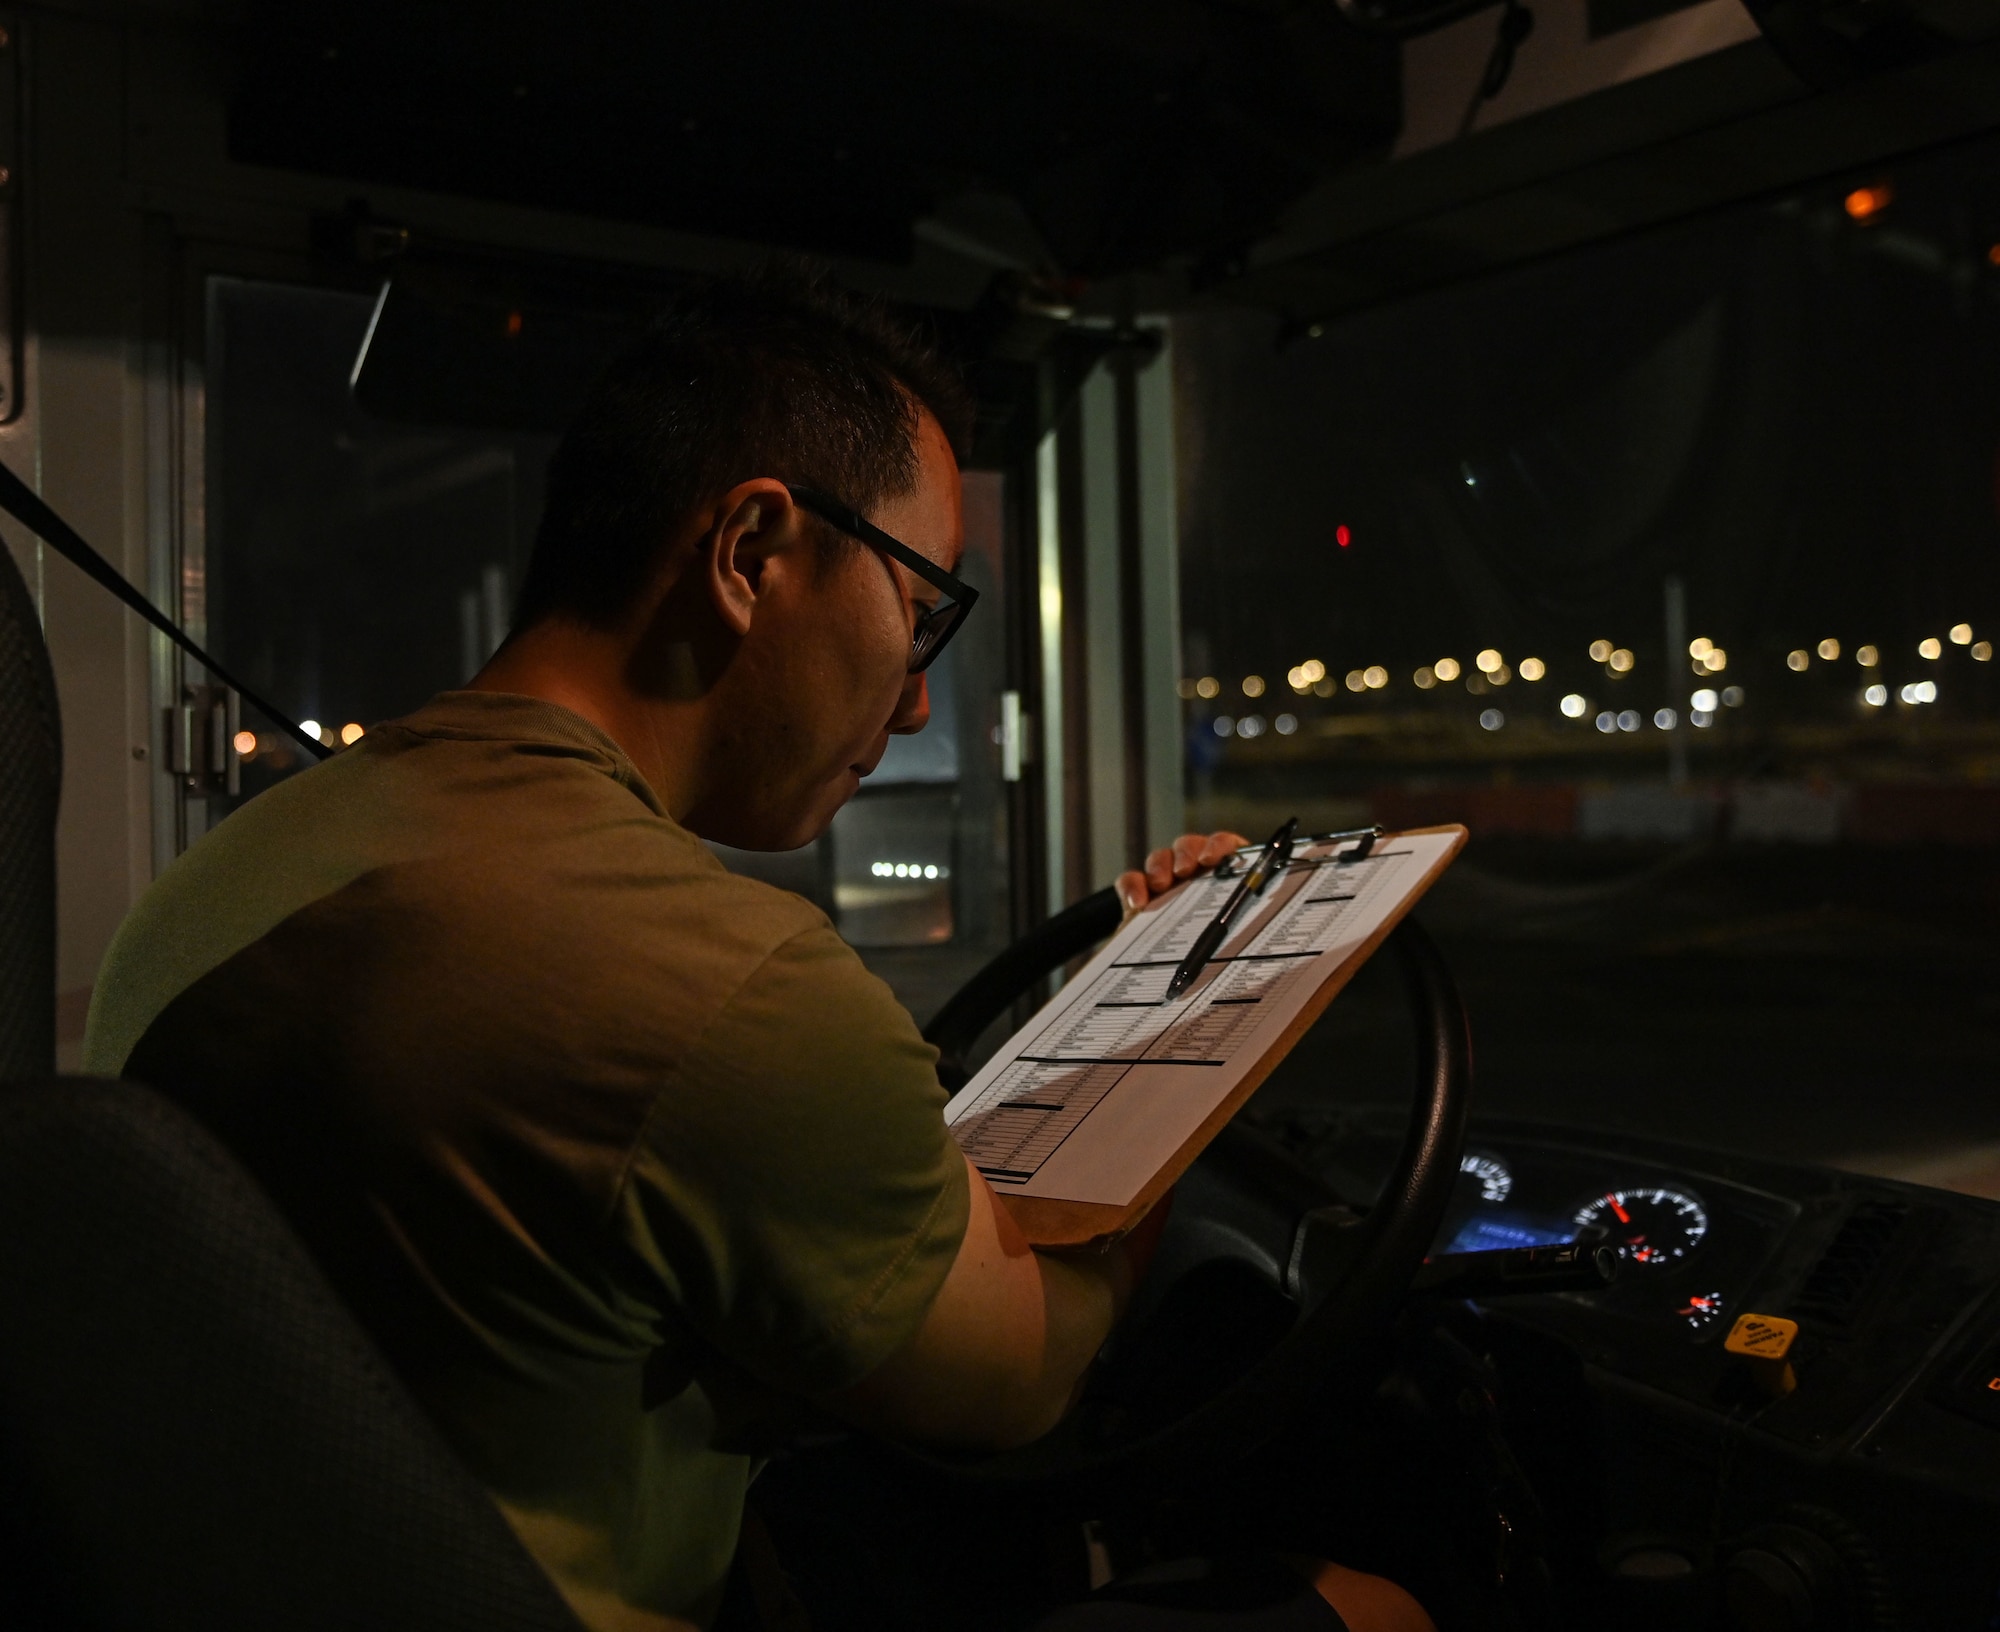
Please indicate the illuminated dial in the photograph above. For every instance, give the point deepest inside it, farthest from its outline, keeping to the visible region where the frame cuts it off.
(1701, 1310)
(1489, 1173)
(1649, 1227)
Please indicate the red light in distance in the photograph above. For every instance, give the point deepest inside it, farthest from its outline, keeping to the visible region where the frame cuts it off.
(1342, 536)
(1865, 203)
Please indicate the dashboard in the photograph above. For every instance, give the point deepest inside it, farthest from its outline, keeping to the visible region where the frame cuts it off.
(1873, 1461)
(1689, 1248)
(1895, 1289)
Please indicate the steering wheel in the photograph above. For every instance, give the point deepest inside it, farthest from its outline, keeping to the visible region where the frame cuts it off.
(1253, 1233)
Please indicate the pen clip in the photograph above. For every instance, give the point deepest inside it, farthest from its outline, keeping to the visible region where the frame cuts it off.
(1360, 851)
(1279, 863)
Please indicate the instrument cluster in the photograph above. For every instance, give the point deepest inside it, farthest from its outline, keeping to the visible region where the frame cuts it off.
(1686, 1250)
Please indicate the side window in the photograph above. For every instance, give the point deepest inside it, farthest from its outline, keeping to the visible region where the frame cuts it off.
(354, 566)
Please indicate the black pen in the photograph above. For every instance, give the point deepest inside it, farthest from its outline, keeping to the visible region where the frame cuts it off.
(1274, 857)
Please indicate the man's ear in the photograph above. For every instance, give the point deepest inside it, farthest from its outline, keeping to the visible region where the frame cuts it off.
(756, 522)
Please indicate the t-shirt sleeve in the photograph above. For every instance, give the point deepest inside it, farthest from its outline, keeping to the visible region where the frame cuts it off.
(795, 1186)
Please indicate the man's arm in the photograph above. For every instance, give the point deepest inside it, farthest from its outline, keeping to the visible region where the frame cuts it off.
(1002, 1352)
(1004, 1348)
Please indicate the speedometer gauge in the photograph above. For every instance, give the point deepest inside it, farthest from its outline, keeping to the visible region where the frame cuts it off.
(1489, 1173)
(1652, 1227)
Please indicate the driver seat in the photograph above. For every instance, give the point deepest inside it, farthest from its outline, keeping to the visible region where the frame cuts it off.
(194, 1432)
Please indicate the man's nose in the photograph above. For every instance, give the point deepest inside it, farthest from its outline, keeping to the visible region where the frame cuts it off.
(913, 708)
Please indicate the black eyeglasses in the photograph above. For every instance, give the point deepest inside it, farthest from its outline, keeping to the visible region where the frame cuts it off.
(935, 625)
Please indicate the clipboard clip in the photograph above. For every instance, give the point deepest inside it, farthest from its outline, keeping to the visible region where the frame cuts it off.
(1365, 838)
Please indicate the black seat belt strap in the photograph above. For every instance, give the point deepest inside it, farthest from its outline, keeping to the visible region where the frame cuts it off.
(26, 506)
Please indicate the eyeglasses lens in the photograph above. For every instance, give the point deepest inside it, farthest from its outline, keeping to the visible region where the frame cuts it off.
(933, 630)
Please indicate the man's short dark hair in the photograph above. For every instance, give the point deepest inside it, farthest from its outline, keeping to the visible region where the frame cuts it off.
(773, 373)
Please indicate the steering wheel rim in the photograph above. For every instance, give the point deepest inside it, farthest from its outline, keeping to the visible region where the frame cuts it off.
(1374, 1263)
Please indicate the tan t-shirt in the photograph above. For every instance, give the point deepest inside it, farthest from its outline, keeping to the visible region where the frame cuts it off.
(595, 1136)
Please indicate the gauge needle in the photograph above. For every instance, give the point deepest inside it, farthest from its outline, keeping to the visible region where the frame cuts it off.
(1623, 1216)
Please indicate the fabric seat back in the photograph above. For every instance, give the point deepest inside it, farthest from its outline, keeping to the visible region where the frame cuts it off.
(194, 1433)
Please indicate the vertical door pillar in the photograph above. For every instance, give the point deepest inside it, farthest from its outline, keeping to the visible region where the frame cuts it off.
(1110, 621)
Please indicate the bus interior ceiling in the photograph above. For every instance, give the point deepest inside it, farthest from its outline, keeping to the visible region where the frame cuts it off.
(1594, 438)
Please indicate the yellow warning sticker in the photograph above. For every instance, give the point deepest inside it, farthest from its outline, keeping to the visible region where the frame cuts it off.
(1767, 1337)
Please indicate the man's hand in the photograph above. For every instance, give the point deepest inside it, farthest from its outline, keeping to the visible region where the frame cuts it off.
(1171, 863)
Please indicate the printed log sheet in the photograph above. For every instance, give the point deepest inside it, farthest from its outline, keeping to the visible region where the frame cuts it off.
(1109, 1081)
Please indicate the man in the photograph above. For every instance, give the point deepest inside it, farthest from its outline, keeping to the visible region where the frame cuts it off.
(604, 1143)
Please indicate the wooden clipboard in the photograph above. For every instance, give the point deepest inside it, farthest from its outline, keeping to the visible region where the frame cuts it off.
(1050, 1222)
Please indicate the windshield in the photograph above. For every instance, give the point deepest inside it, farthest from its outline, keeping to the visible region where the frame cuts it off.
(1673, 570)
